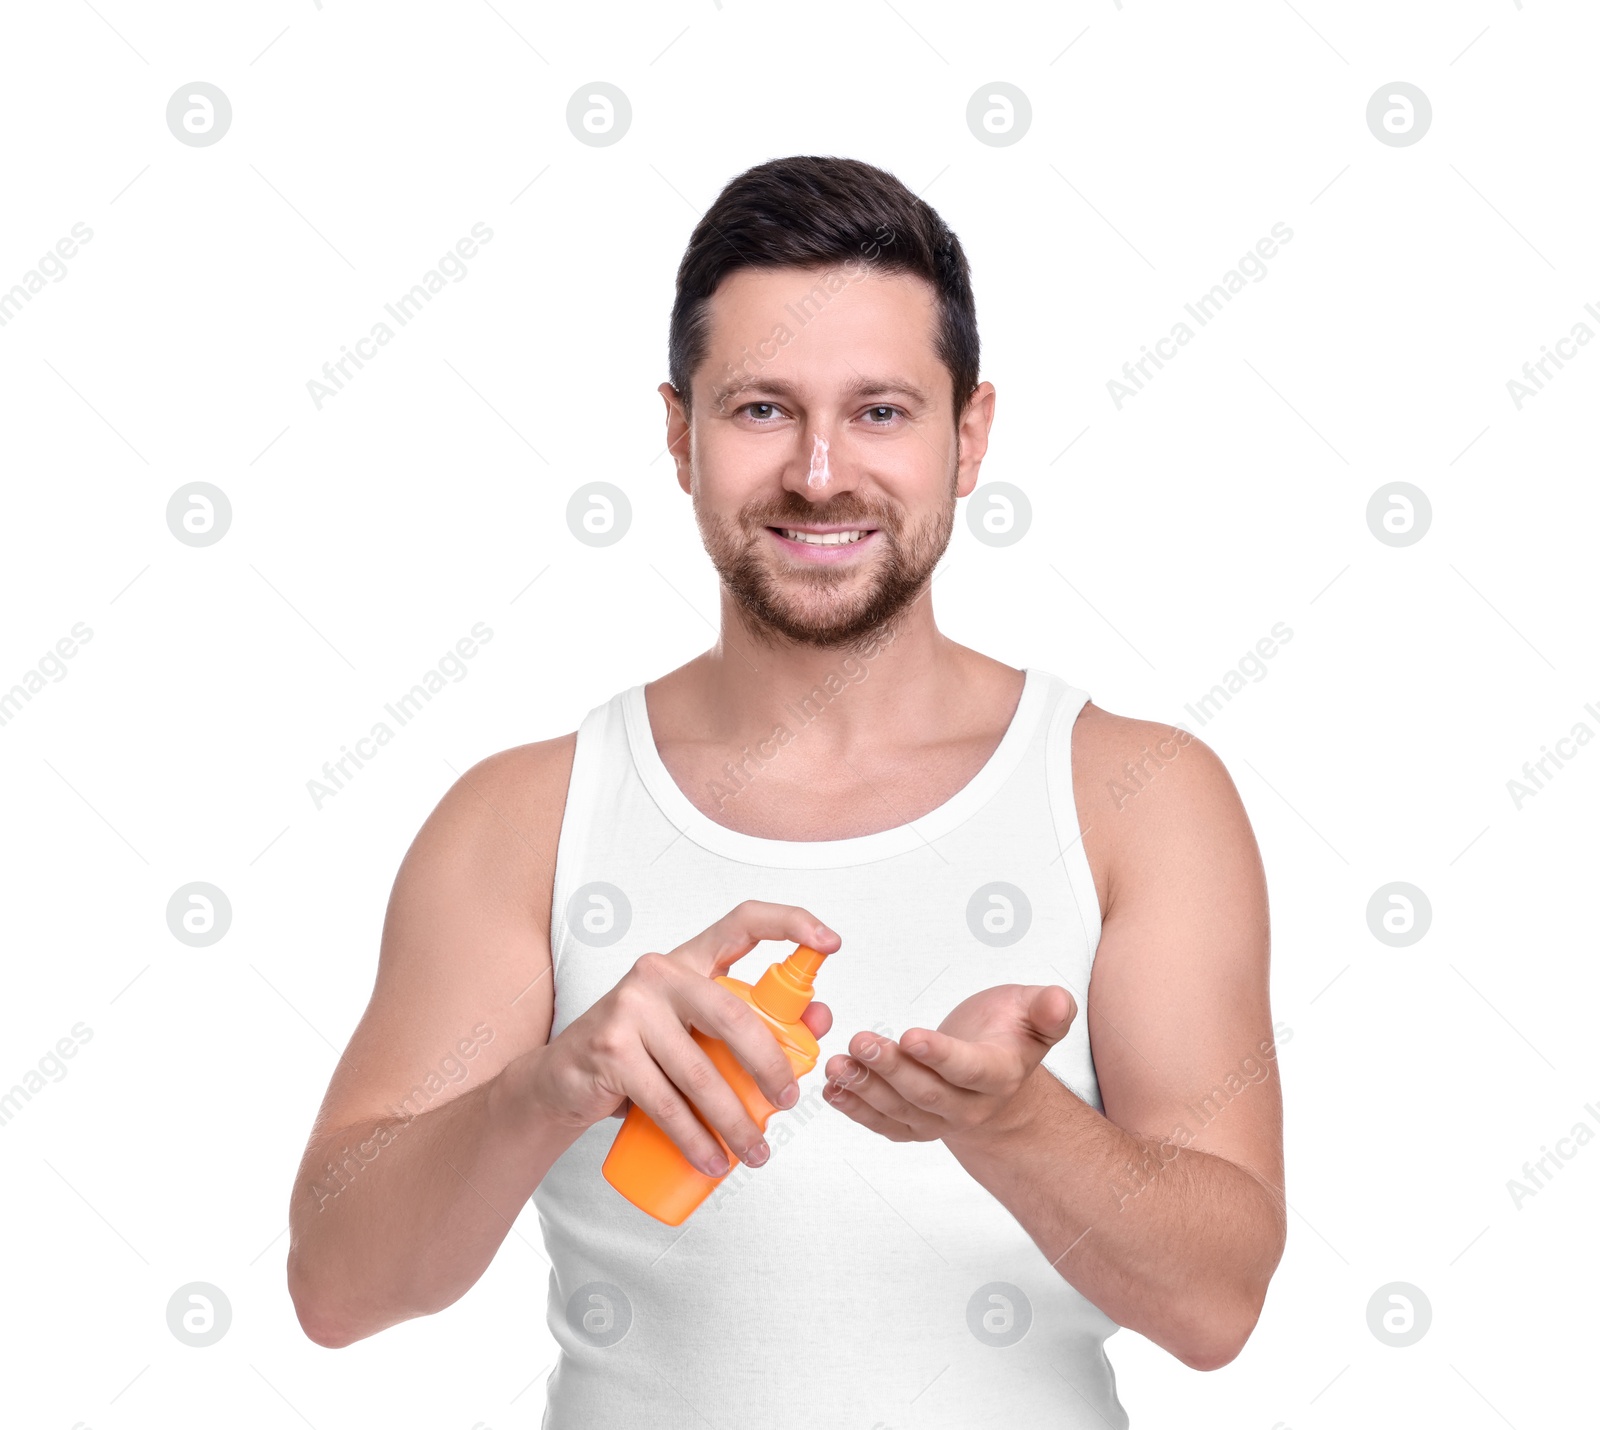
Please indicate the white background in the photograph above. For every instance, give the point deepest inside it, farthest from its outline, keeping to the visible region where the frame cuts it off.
(369, 536)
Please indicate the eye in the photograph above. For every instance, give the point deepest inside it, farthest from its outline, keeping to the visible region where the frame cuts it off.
(767, 406)
(882, 407)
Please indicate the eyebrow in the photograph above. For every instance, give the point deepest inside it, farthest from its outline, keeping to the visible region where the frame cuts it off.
(854, 391)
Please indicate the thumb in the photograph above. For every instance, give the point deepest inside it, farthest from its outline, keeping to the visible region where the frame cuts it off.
(1051, 1010)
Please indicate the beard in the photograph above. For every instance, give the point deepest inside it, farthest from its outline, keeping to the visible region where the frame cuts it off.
(827, 607)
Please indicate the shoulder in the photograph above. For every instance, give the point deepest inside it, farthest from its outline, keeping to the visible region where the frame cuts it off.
(501, 818)
(1145, 791)
(523, 777)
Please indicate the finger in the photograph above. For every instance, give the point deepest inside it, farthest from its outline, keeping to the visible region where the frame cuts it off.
(716, 949)
(869, 1117)
(976, 1067)
(653, 1093)
(818, 1017)
(695, 1079)
(705, 1004)
(1052, 1011)
(883, 1096)
(916, 1084)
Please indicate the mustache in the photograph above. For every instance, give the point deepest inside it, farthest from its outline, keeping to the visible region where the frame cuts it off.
(792, 509)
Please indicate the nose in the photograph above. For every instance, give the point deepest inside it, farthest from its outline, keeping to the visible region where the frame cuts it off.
(815, 471)
(819, 475)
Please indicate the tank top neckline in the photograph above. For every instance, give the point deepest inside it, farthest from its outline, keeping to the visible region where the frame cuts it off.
(752, 849)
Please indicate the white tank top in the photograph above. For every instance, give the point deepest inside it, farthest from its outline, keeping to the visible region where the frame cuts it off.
(850, 1281)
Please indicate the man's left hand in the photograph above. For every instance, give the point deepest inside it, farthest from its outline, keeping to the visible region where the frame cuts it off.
(964, 1079)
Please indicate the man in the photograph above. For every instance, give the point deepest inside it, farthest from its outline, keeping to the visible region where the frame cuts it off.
(1064, 911)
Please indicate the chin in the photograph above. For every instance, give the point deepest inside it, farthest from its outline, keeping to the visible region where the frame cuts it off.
(772, 613)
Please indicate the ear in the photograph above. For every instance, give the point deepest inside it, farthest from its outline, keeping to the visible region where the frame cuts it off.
(972, 434)
(677, 432)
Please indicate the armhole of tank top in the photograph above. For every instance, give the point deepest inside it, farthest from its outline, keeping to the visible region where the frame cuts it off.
(1064, 812)
(576, 817)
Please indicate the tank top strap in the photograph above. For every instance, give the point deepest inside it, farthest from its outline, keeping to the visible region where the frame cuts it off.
(1067, 704)
(600, 756)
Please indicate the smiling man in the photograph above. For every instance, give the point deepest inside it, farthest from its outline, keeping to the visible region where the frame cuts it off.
(1078, 1126)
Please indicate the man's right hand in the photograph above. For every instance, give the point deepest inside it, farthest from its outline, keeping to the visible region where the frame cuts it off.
(633, 1045)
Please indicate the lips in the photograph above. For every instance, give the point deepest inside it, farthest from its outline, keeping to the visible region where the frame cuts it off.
(847, 537)
(810, 545)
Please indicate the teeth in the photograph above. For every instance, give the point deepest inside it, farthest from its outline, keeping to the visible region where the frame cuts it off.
(828, 538)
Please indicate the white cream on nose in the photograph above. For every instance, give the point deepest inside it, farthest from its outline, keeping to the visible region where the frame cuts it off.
(819, 475)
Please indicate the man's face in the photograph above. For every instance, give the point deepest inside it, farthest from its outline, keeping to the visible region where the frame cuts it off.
(821, 410)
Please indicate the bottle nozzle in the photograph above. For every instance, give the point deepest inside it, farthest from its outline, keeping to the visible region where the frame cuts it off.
(785, 989)
(805, 960)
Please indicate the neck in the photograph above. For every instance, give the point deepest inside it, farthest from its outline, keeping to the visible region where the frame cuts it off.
(892, 679)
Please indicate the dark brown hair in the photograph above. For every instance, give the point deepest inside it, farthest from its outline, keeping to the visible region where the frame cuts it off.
(813, 211)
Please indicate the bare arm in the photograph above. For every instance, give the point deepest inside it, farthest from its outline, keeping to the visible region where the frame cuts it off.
(452, 1100)
(1168, 1210)
(428, 1143)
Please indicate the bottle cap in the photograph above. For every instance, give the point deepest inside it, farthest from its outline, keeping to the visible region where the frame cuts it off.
(784, 990)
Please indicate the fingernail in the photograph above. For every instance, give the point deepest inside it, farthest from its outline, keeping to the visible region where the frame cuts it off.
(870, 1054)
(755, 1155)
(789, 1096)
(716, 1165)
(849, 1072)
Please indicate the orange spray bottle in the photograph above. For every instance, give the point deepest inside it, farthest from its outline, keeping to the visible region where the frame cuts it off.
(645, 1165)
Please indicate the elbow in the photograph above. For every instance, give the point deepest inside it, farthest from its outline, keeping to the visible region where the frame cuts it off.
(1218, 1334)
(334, 1318)
(1222, 1325)
(317, 1321)
(1210, 1356)
(314, 1309)
(1213, 1346)
(324, 1333)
